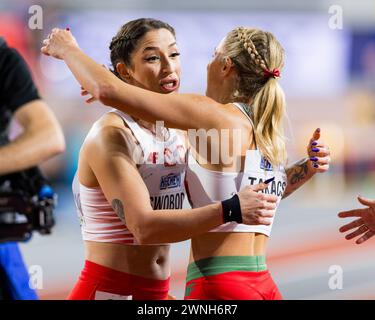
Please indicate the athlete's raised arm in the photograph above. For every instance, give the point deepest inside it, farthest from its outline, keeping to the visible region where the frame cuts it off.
(183, 111)
(123, 187)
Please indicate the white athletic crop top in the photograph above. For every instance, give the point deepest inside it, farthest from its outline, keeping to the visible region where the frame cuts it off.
(163, 171)
(205, 186)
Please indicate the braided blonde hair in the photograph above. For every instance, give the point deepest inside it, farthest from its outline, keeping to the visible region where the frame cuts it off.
(256, 54)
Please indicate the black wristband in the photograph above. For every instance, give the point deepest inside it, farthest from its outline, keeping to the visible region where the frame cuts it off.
(232, 210)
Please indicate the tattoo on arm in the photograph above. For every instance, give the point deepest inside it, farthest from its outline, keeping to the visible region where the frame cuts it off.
(119, 209)
(297, 172)
(297, 175)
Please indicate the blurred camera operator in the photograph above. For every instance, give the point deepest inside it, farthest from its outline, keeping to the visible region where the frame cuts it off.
(41, 139)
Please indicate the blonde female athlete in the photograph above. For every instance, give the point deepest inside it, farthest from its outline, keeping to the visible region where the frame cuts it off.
(242, 93)
(125, 167)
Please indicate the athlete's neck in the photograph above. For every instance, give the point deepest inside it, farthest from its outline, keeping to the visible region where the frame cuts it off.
(226, 95)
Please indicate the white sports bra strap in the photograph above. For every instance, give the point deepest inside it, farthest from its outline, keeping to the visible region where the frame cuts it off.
(138, 132)
(241, 106)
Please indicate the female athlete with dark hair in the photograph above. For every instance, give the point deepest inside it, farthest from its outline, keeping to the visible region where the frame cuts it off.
(244, 107)
(129, 187)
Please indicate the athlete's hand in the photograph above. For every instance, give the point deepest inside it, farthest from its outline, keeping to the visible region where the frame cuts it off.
(85, 93)
(170, 297)
(256, 207)
(58, 43)
(319, 154)
(365, 223)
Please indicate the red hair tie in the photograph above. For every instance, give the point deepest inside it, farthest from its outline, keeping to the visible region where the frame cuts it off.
(275, 73)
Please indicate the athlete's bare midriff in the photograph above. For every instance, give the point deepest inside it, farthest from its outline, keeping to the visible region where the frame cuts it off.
(214, 244)
(146, 261)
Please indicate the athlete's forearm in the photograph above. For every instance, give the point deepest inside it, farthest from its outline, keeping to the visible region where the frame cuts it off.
(87, 72)
(298, 174)
(176, 110)
(166, 226)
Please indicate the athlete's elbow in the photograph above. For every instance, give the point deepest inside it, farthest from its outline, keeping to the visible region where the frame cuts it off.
(104, 91)
(146, 236)
(138, 234)
(156, 236)
(143, 239)
(148, 239)
(139, 229)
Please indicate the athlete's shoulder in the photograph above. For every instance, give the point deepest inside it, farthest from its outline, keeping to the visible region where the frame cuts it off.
(234, 117)
(109, 133)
